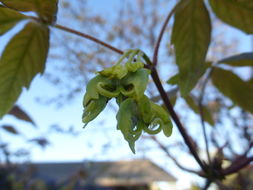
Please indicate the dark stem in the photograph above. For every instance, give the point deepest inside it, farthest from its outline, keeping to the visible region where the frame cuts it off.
(207, 184)
(187, 139)
(202, 117)
(237, 165)
(159, 39)
(91, 38)
(81, 34)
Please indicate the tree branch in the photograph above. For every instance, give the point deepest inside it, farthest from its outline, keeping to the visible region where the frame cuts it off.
(86, 36)
(187, 139)
(164, 148)
(238, 164)
(201, 113)
(157, 45)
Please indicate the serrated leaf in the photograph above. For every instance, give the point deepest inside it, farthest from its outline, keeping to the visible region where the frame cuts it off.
(10, 129)
(19, 113)
(240, 60)
(8, 19)
(23, 57)
(46, 9)
(237, 13)
(191, 37)
(191, 102)
(232, 86)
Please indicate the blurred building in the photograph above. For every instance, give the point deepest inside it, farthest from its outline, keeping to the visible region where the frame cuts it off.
(120, 175)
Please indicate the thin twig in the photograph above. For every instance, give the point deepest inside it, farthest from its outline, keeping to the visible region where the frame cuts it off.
(186, 137)
(159, 39)
(164, 148)
(81, 34)
(202, 117)
(91, 38)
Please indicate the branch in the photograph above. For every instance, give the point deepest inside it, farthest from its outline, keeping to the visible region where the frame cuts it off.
(238, 164)
(157, 45)
(187, 139)
(86, 36)
(164, 148)
(83, 35)
(201, 112)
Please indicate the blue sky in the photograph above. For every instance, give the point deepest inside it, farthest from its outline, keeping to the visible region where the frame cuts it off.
(88, 144)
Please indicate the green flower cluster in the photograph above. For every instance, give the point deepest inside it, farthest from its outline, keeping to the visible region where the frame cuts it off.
(127, 83)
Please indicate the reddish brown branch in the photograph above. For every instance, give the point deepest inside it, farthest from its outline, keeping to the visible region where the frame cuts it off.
(187, 139)
(237, 165)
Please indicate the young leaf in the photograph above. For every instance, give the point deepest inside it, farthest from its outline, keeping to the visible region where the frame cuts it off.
(163, 115)
(232, 86)
(237, 13)
(10, 129)
(23, 57)
(8, 19)
(194, 106)
(243, 59)
(127, 121)
(46, 9)
(134, 84)
(21, 114)
(191, 37)
(92, 90)
(93, 109)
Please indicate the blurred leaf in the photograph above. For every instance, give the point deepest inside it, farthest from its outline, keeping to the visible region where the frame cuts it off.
(243, 59)
(10, 129)
(23, 57)
(46, 9)
(21, 114)
(41, 141)
(8, 19)
(237, 13)
(193, 104)
(191, 37)
(172, 93)
(232, 86)
(174, 80)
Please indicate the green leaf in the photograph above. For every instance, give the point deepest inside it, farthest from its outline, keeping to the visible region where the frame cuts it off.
(232, 86)
(144, 108)
(46, 9)
(93, 88)
(10, 129)
(163, 115)
(240, 60)
(23, 57)
(134, 84)
(174, 80)
(191, 37)
(237, 13)
(8, 19)
(21, 114)
(93, 109)
(127, 120)
(192, 103)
